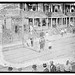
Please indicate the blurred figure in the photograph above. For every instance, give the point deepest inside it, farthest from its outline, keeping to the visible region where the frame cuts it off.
(58, 67)
(68, 67)
(31, 29)
(62, 68)
(65, 30)
(10, 69)
(46, 35)
(19, 69)
(34, 67)
(45, 68)
(42, 43)
(52, 67)
(62, 32)
(31, 39)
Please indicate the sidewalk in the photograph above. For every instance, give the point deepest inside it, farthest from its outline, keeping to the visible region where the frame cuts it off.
(12, 44)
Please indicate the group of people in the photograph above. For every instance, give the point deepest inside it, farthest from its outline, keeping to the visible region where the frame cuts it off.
(41, 40)
(54, 68)
(48, 67)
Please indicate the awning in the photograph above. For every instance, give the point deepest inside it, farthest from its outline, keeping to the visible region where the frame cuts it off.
(56, 14)
(35, 14)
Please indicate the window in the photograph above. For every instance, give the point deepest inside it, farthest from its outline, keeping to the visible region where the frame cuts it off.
(72, 8)
(32, 7)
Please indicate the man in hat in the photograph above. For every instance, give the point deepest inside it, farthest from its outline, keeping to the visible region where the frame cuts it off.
(45, 68)
(52, 67)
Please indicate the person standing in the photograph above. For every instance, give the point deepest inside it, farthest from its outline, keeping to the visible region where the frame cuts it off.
(31, 29)
(62, 32)
(31, 39)
(52, 67)
(68, 67)
(42, 43)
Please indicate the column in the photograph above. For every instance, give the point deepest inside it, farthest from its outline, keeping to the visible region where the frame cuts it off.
(47, 23)
(33, 22)
(66, 21)
(70, 7)
(51, 8)
(62, 21)
(41, 23)
(56, 22)
(69, 21)
(26, 7)
(51, 22)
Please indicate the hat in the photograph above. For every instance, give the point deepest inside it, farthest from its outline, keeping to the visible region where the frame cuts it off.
(44, 65)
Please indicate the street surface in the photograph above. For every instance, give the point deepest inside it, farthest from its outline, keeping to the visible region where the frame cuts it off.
(63, 48)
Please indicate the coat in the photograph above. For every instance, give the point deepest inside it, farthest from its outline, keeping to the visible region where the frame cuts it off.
(52, 68)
